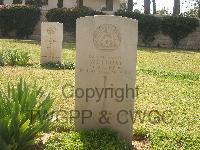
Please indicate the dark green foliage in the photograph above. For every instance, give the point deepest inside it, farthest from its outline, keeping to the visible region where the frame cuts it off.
(16, 57)
(19, 19)
(24, 113)
(17, 1)
(148, 25)
(69, 65)
(101, 139)
(68, 16)
(53, 66)
(178, 27)
(58, 66)
(37, 3)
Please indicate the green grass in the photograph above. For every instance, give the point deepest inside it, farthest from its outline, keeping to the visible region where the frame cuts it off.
(167, 80)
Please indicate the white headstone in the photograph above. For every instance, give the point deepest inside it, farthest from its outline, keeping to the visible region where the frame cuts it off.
(51, 42)
(106, 73)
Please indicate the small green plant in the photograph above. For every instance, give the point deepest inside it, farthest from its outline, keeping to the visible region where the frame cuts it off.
(52, 65)
(101, 139)
(24, 112)
(140, 134)
(16, 57)
(67, 65)
(23, 58)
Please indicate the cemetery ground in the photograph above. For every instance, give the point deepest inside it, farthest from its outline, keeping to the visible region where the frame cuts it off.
(167, 114)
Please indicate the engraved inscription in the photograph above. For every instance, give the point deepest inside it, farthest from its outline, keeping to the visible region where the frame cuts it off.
(51, 41)
(104, 64)
(107, 37)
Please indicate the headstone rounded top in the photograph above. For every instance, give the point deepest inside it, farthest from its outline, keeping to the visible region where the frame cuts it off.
(107, 37)
(106, 16)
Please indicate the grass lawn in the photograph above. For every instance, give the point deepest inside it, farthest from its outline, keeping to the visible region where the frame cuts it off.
(168, 103)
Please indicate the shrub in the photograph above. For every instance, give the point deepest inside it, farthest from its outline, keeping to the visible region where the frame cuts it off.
(57, 66)
(68, 16)
(17, 1)
(178, 27)
(87, 140)
(54, 66)
(20, 19)
(37, 3)
(148, 25)
(16, 57)
(69, 65)
(24, 113)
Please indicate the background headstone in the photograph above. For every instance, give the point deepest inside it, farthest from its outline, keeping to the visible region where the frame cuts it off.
(105, 59)
(51, 42)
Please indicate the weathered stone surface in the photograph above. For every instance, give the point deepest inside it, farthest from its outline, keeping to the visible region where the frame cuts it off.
(52, 4)
(51, 42)
(106, 62)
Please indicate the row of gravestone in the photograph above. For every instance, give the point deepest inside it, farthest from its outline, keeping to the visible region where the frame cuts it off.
(106, 53)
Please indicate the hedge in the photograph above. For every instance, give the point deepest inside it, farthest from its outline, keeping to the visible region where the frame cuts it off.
(17, 1)
(19, 19)
(176, 28)
(68, 16)
(148, 25)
